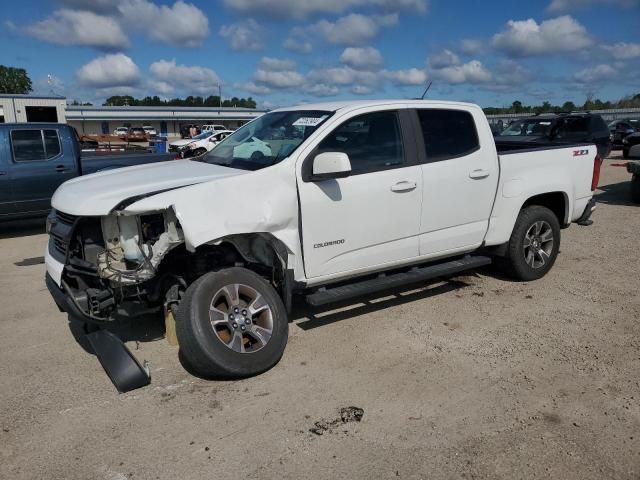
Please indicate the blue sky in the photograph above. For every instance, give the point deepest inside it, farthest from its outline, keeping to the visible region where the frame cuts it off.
(289, 51)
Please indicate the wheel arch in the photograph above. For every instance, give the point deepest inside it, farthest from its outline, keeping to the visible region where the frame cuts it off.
(557, 202)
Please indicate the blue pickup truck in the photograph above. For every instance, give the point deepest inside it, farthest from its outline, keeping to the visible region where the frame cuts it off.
(36, 158)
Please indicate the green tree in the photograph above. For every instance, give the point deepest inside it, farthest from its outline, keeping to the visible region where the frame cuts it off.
(14, 80)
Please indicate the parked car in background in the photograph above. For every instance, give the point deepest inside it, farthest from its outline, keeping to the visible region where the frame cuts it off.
(558, 129)
(198, 145)
(208, 128)
(631, 146)
(149, 130)
(136, 134)
(177, 145)
(355, 205)
(186, 129)
(121, 131)
(621, 128)
(39, 157)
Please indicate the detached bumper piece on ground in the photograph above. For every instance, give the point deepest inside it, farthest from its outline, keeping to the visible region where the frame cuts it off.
(121, 366)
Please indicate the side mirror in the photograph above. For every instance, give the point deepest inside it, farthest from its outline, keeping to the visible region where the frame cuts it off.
(331, 165)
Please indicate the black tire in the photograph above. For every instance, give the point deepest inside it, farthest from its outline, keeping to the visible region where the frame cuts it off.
(516, 257)
(635, 189)
(625, 153)
(204, 350)
(199, 151)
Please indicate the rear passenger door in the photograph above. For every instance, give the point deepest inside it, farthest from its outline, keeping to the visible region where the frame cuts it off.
(38, 167)
(459, 180)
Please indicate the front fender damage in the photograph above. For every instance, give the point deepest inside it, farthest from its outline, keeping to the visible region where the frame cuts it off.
(264, 202)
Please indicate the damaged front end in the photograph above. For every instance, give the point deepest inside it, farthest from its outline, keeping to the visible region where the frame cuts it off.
(111, 263)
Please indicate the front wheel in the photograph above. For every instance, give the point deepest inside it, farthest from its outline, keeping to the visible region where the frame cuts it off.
(231, 324)
(534, 244)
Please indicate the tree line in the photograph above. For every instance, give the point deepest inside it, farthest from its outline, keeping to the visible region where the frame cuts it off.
(190, 101)
(630, 101)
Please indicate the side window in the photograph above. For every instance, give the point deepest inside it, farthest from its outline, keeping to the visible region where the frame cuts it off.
(448, 133)
(372, 141)
(573, 127)
(27, 145)
(51, 143)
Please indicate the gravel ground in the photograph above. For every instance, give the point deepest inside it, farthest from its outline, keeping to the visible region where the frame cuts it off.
(477, 377)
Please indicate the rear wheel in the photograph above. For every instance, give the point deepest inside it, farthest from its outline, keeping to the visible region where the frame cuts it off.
(231, 324)
(534, 244)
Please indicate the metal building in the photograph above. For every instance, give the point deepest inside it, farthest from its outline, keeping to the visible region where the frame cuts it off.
(32, 108)
(93, 120)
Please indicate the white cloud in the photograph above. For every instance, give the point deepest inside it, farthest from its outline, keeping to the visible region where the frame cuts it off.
(353, 29)
(557, 6)
(298, 45)
(278, 79)
(363, 58)
(190, 79)
(276, 64)
(322, 90)
(446, 58)
(524, 38)
(623, 50)
(344, 76)
(253, 88)
(307, 8)
(80, 28)
(360, 90)
(182, 24)
(470, 72)
(471, 46)
(410, 76)
(244, 35)
(160, 87)
(108, 71)
(599, 73)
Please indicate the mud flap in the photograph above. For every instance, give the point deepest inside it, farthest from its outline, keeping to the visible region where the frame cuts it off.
(118, 362)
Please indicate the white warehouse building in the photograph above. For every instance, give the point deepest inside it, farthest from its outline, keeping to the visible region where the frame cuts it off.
(91, 120)
(95, 120)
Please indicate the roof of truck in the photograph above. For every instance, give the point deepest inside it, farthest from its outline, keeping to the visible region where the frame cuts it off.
(353, 104)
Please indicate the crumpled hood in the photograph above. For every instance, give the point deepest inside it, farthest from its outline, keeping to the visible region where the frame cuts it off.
(99, 193)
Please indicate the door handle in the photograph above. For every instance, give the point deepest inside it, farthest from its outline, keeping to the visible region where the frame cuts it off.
(479, 173)
(404, 186)
(60, 169)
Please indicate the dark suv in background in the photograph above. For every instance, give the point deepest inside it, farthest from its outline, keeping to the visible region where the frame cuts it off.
(622, 128)
(558, 129)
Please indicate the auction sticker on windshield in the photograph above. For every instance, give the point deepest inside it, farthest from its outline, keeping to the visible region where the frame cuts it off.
(309, 121)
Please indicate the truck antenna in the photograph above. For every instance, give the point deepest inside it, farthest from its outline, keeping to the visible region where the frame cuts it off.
(426, 90)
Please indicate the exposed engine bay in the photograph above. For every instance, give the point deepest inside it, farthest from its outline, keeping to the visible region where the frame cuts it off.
(124, 265)
(135, 246)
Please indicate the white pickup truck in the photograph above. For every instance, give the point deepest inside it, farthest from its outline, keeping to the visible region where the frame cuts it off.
(350, 198)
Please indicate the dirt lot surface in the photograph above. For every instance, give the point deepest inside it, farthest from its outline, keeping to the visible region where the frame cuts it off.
(477, 377)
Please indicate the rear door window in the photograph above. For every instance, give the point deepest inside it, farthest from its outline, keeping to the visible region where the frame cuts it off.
(51, 143)
(35, 145)
(447, 133)
(27, 145)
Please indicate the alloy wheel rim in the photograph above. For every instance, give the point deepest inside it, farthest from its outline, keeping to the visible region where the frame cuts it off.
(241, 318)
(538, 244)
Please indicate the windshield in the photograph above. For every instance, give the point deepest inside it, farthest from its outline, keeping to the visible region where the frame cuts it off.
(266, 140)
(528, 127)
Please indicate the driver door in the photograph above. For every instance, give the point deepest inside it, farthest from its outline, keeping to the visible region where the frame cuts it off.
(372, 217)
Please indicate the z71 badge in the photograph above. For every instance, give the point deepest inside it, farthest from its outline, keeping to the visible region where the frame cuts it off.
(578, 153)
